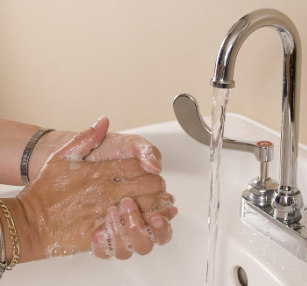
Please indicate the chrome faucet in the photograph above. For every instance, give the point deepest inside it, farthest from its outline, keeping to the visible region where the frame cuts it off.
(280, 204)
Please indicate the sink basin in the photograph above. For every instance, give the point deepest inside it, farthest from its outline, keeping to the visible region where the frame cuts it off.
(183, 261)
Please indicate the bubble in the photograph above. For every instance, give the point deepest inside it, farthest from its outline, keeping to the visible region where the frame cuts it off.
(74, 166)
(106, 241)
(129, 247)
(74, 250)
(73, 157)
(118, 179)
(65, 251)
(56, 251)
(149, 233)
(125, 239)
(96, 175)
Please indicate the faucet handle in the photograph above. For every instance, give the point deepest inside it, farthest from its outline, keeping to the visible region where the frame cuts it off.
(188, 115)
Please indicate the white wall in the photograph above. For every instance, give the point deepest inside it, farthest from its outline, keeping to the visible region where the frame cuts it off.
(63, 63)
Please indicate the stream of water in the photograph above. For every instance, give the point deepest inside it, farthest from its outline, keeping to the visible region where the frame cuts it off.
(220, 100)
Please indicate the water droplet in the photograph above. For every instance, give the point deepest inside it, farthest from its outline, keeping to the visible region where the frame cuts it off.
(56, 251)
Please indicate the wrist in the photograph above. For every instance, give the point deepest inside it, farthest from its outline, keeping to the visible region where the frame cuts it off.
(46, 146)
(28, 239)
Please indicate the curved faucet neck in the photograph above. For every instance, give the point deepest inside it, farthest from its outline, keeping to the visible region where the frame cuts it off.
(224, 71)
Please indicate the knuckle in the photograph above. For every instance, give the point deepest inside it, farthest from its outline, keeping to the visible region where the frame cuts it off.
(168, 197)
(158, 182)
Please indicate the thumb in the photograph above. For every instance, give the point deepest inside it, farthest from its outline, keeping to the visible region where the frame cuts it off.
(83, 143)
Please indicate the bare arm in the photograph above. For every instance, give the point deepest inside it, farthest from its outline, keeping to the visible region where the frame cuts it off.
(14, 136)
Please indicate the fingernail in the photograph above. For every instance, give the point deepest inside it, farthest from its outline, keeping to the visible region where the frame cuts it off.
(127, 205)
(157, 222)
(155, 159)
(99, 122)
(156, 163)
(151, 165)
(158, 160)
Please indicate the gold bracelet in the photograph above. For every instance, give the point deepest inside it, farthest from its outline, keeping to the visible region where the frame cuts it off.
(14, 236)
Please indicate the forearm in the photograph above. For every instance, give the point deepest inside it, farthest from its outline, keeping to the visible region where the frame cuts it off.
(14, 137)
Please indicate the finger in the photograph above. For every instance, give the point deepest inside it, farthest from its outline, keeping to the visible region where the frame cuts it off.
(161, 229)
(113, 189)
(127, 168)
(135, 227)
(83, 143)
(142, 185)
(122, 247)
(148, 155)
(154, 202)
(122, 146)
(100, 244)
(168, 212)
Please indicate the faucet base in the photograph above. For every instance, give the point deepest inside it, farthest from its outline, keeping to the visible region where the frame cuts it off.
(291, 236)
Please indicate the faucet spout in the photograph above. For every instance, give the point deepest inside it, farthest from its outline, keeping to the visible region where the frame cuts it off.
(287, 201)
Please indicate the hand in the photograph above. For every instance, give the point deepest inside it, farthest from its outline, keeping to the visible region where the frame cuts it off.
(65, 208)
(114, 146)
(117, 146)
(125, 231)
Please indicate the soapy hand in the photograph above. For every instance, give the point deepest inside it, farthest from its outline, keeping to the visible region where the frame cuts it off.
(124, 230)
(111, 207)
(117, 146)
(114, 146)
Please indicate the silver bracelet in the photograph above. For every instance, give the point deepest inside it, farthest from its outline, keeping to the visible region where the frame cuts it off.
(3, 262)
(24, 166)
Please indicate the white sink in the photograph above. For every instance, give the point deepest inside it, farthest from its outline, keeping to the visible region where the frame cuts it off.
(183, 261)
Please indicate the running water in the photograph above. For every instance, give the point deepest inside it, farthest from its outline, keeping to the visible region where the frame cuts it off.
(220, 100)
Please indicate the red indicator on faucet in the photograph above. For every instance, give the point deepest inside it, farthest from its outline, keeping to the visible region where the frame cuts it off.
(264, 144)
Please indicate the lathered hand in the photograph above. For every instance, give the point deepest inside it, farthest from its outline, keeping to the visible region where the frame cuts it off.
(125, 231)
(113, 146)
(122, 146)
(72, 201)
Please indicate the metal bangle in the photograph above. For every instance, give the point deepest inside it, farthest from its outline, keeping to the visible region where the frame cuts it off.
(3, 263)
(24, 166)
